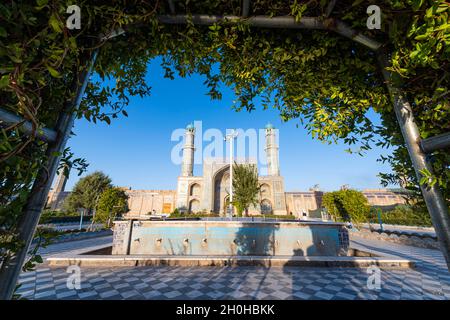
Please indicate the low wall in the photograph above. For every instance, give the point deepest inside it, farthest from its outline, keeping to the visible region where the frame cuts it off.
(235, 238)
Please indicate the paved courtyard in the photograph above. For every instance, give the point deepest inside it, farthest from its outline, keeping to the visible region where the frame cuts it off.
(429, 280)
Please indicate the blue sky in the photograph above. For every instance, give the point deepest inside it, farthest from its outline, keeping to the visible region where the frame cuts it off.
(135, 151)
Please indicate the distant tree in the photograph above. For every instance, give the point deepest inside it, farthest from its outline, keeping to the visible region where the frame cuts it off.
(86, 192)
(112, 202)
(245, 187)
(347, 205)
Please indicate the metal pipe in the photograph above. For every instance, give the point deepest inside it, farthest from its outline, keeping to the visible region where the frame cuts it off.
(441, 141)
(330, 8)
(28, 221)
(285, 22)
(9, 119)
(231, 136)
(434, 200)
(245, 8)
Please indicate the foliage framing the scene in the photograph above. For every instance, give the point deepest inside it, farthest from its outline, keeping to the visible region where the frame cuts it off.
(323, 81)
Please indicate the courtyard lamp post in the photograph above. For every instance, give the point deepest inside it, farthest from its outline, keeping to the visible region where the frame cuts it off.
(231, 136)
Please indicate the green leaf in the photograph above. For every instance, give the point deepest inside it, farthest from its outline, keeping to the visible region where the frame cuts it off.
(53, 72)
(3, 32)
(55, 23)
(442, 7)
(443, 27)
(421, 37)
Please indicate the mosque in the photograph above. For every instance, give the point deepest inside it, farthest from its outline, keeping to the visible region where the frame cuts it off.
(209, 193)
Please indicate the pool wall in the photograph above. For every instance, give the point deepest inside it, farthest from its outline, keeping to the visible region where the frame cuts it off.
(230, 238)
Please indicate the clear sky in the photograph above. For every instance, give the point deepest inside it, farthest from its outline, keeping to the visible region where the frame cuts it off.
(136, 151)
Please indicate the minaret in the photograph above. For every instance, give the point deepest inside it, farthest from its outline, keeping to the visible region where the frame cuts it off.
(187, 168)
(61, 180)
(273, 167)
(58, 190)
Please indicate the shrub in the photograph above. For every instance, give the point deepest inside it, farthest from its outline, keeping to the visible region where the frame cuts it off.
(203, 214)
(50, 215)
(403, 215)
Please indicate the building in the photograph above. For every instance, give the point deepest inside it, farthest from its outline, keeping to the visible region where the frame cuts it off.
(57, 195)
(209, 193)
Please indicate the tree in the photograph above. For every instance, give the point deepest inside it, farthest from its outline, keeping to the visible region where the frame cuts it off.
(112, 202)
(245, 187)
(86, 192)
(402, 215)
(347, 205)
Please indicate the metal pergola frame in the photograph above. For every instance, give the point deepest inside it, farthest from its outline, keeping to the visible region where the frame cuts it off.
(56, 138)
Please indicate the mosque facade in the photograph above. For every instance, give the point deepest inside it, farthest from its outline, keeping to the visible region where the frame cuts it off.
(209, 192)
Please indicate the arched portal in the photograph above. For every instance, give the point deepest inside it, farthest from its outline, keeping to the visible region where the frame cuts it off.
(194, 206)
(194, 190)
(221, 185)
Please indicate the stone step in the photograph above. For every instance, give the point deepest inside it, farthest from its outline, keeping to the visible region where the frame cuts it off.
(265, 261)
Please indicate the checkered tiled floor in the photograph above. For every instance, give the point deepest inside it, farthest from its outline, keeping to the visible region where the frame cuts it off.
(430, 280)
